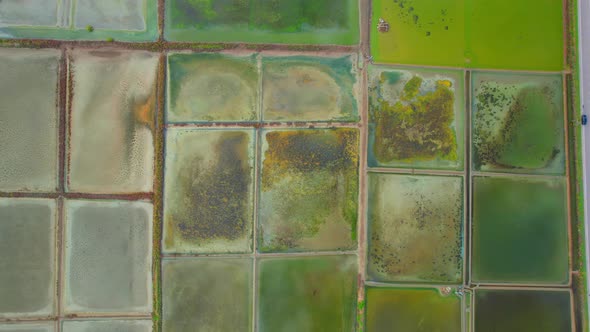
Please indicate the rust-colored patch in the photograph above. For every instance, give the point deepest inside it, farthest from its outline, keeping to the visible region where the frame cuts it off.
(144, 112)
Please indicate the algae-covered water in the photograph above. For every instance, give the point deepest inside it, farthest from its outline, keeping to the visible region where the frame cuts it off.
(209, 190)
(415, 228)
(518, 123)
(416, 118)
(412, 310)
(523, 310)
(307, 293)
(519, 231)
(262, 21)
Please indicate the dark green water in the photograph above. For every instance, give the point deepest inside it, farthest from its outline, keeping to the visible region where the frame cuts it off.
(519, 231)
(522, 311)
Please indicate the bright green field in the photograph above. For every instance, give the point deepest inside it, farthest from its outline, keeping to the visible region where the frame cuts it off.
(419, 32)
(505, 34)
(524, 34)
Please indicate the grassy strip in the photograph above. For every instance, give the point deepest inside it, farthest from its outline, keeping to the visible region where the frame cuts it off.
(576, 168)
(163, 45)
(158, 193)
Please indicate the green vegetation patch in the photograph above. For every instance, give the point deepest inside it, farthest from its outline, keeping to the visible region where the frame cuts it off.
(522, 310)
(503, 34)
(209, 190)
(520, 231)
(207, 294)
(263, 21)
(415, 228)
(309, 190)
(302, 88)
(421, 32)
(206, 87)
(518, 123)
(307, 293)
(412, 310)
(416, 118)
(27, 264)
(525, 34)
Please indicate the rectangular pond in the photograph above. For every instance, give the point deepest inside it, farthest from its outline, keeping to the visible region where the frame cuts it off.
(416, 118)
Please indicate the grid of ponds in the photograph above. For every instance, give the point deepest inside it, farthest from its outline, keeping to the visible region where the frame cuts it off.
(165, 186)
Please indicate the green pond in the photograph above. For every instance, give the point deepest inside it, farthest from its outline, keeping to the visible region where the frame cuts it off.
(263, 21)
(522, 311)
(518, 123)
(207, 294)
(28, 119)
(519, 231)
(212, 87)
(307, 293)
(411, 310)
